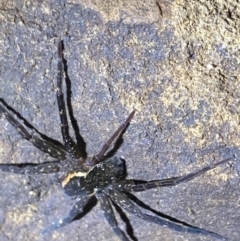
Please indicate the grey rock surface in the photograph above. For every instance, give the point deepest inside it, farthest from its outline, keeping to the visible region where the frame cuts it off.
(176, 62)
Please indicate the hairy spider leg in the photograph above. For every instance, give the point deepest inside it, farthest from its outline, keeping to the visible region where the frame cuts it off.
(96, 159)
(135, 186)
(109, 214)
(75, 210)
(31, 168)
(68, 142)
(43, 145)
(124, 202)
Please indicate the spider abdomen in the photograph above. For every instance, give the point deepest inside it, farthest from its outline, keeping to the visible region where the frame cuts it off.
(74, 183)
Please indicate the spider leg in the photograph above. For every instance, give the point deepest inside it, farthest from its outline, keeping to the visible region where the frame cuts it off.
(96, 159)
(31, 169)
(180, 226)
(75, 210)
(43, 145)
(109, 214)
(135, 186)
(68, 142)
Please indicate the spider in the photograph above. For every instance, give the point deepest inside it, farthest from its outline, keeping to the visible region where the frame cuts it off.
(100, 176)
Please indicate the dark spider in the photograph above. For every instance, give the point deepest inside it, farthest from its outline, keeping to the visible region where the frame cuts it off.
(96, 176)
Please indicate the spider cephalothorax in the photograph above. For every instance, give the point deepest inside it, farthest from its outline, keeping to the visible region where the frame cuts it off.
(100, 176)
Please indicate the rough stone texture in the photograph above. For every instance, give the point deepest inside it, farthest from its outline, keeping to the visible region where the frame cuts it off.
(176, 62)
